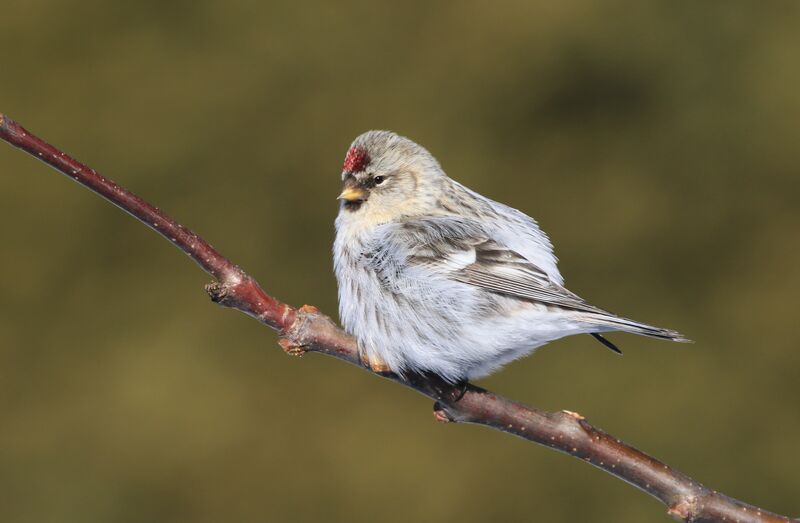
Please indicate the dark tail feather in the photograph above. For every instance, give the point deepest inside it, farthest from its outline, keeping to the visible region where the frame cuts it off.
(607, 343)
(609, 322)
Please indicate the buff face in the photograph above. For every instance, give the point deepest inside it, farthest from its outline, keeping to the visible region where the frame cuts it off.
(380, 184)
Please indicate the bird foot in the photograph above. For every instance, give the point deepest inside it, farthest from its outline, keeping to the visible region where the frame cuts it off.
(461, 388)
(441, 415)
(374, 363)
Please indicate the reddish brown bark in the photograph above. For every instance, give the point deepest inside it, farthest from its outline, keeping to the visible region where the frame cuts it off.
(306, 329)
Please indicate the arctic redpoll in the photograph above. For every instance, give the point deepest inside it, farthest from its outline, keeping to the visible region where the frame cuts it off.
(434, 277)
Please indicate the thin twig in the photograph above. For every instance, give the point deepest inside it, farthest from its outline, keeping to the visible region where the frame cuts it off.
(306, 329)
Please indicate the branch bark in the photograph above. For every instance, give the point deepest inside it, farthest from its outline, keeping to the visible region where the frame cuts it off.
(306, 329)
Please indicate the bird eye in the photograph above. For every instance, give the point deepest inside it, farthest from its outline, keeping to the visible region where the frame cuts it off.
(379, 180)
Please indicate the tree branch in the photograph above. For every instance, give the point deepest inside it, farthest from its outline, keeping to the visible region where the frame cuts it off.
(306, 329)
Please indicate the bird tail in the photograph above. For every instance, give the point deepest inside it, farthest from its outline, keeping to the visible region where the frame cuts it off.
(615, 323)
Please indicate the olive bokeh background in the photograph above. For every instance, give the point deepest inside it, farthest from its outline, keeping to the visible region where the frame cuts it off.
(656, 142)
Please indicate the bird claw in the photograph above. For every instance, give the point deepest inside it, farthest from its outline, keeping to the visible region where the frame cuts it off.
(461, 388)
(440, 414)
(374, 363)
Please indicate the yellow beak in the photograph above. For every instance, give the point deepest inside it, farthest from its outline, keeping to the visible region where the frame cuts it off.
(353, 194)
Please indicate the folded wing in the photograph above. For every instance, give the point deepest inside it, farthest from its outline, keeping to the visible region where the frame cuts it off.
(463, 251)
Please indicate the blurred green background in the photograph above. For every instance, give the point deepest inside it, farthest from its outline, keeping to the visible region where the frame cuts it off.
(656, 142)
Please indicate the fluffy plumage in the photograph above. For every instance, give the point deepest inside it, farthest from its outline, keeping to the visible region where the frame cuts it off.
(434, 277)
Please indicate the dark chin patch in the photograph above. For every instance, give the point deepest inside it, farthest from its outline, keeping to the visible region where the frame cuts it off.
(352, 206)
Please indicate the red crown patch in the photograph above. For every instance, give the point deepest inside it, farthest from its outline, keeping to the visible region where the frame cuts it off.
(356, 160)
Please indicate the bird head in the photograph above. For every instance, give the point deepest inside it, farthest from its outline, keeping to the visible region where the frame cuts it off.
(386, 176)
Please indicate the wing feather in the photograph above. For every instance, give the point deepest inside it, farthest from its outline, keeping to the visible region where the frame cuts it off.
(463, 251)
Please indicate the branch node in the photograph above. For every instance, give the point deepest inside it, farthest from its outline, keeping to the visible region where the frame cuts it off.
(309, 309)
(299, 337)
(217, 291)
(573, 415)
(684, 510)
(291, 348)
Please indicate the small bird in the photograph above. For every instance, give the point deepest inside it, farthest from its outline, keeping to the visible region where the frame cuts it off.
(435, 278)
